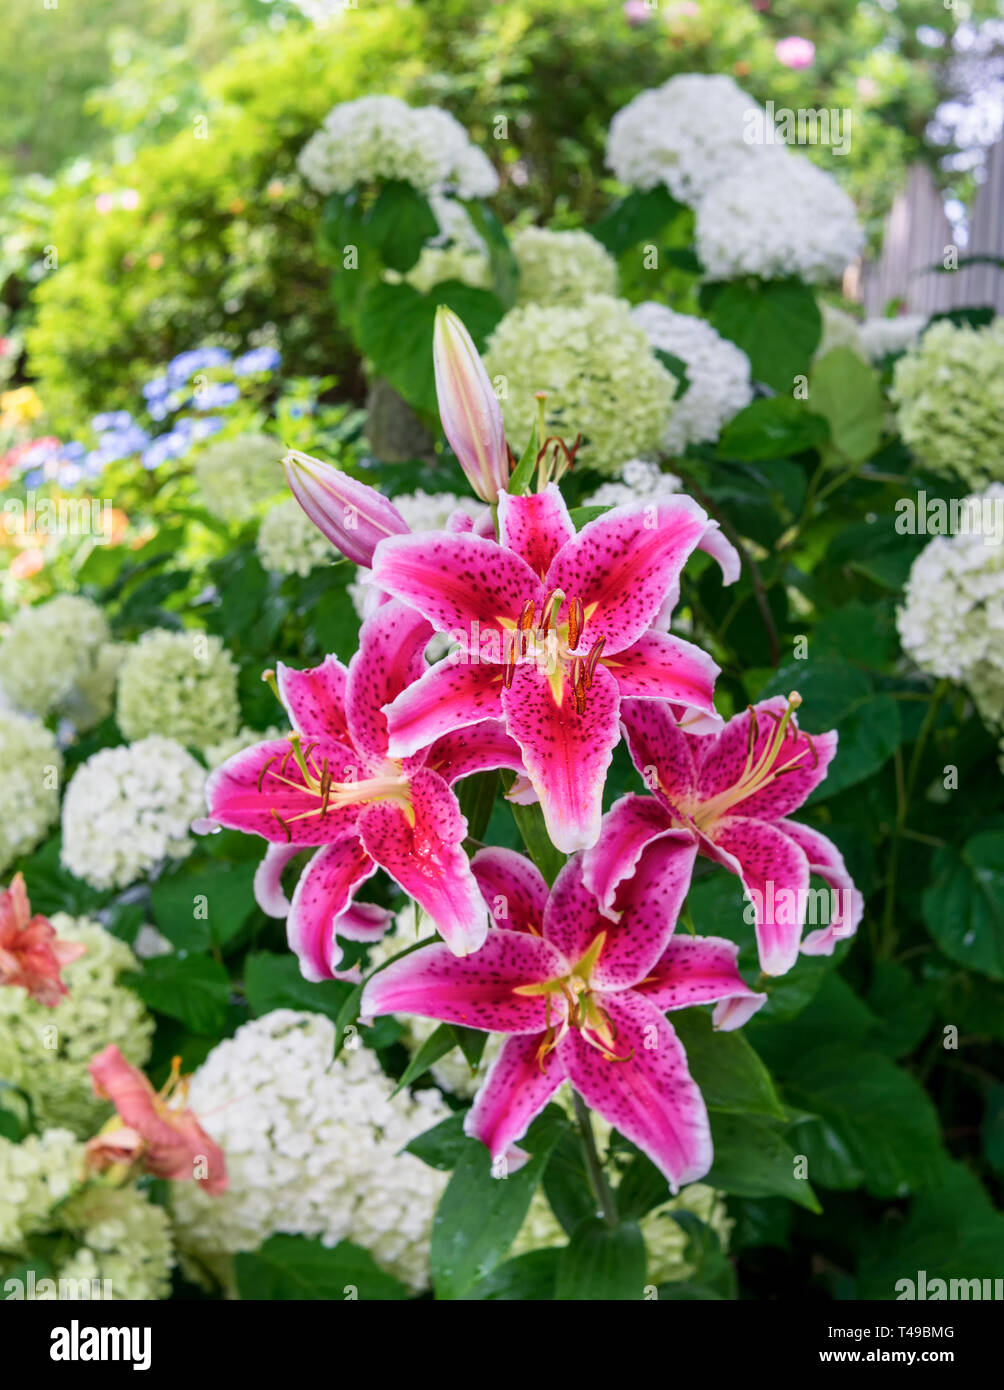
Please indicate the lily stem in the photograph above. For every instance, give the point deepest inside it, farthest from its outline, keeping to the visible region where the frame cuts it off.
(597, 1178)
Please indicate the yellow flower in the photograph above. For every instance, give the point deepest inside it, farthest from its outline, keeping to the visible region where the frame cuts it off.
(20, 406)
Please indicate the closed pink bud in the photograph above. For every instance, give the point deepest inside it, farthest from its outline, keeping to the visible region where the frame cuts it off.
(468, 408)
(353, 516)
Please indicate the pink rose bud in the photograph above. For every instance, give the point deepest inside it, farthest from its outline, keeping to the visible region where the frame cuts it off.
(353, 516)
(468, 408)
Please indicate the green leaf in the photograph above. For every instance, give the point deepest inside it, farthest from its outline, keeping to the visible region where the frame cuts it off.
(471, 1042)
(504, 266)
(640, 216)
(396, 326)
(205, 907)
(438, 1045)
(772, 427)
(193, 989)
(289, 1268)
(527, 1278)
(566, 1182)
(477, 798)
(964, 905)
(530, 823)
(479, 1215)
(522, 475)
(602, 1263)
(753, 1159)
(776, 323)
(441, 1146)
(641, 1188)
(399, 224)
(846, 391)
(582, 516)
(274, 982)
(729, 1073)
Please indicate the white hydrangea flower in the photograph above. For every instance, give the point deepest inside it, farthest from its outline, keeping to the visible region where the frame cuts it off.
(718, 374)
(289, 542)
(128, 808)
(30, 768)
(599, 373)
(948, 390)
(882, 337)
(840, 329)
(236, 476)
(312, 1145)
(639, 481)
(179, 684)
(90, 1230)
(561, 267)
(57, 658)
(952, 619)
(665, 1240)
(382, 137)
(786, 217)
(689, 135)
(45, 1052)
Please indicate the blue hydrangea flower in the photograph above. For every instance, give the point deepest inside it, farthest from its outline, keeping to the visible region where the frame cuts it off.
(257, 361)
(111, 420)
(183, 367)
(156, 389)
(215, 395)
(166, 446)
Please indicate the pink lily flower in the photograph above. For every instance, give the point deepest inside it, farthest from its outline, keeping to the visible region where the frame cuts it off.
(332, 783)
(153, 1126)
(732, 793)
(556, 629)
(583, 1000)
(469, 408)
(31, 954)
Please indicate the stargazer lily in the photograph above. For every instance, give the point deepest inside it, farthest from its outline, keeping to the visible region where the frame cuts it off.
(31, 954)
(332, 783)
(555, 629)
(732, 792)
(468, 407)
(583, 1000)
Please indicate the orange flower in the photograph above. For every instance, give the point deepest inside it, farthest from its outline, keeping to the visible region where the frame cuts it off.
(31, 954)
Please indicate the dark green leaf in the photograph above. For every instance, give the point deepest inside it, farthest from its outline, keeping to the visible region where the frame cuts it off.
(772, 427)
(289, 1268)
(776, 323)
(964, 905)
(602, 1263)
(193, 989)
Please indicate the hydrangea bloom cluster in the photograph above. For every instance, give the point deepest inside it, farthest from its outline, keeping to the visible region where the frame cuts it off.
(952, 618)
(785, 218)
(686, 134)
(883, 337)
(56, 659)
(599, 373)
(98, 1232)
(561, 267)
(312, 1145)
(235, 476)
(718, 374)
(128, 808)
(638, 481)
(179, 684)
(947, 389)
(46, 1052)
(289, 542)
(30, 768)
(840, 329)
(382, 137)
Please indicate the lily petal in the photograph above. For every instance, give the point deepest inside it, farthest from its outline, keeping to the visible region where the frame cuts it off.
(702, 970)
(566, 754)
(775, 873)
(475, 748)
(477, 991)
(660, 750)
(650, 1097)
(629, 825)
(323, 893)
(423, 854)
(268, 880)
(388, 660)
(315, 699)
(535, 526)
(827, 861)
(519, 1084)
(513, 887)
(661, 667)
(260, 790)
(449, 696)
(622, 564)
(805, 759)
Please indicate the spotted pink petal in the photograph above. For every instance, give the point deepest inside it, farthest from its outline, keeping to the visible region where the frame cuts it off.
(476, 990)
(702, 970)
(535, 526)
(662, 667)
(827, 861)
(647, 906)
(519, 1084)
(363, 922)
(629, 825)
(660, 750)
(315, 699)
(449, 696)
(566, 754)
(622, 564)
(268, 880)
(323, 893)
(722, 761)
(476, 748)
(775, 873)
(456, 581)
(388, 660)
(425, 857)
(246, 793)
(650, 1097)
(513, 887)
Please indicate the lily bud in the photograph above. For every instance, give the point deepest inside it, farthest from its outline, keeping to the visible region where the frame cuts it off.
(472, 419)
(353, 516)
